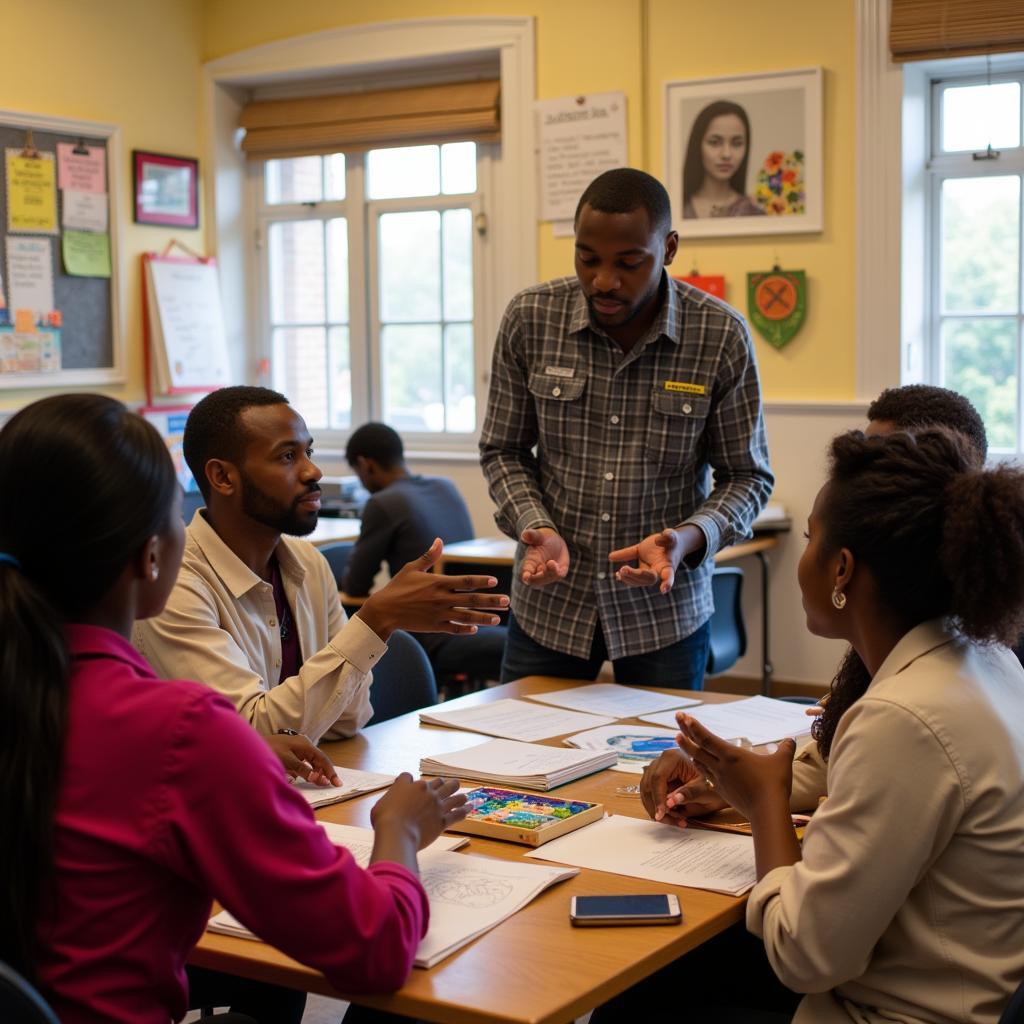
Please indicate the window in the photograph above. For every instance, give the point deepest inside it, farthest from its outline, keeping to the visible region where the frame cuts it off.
(371, 298)
(975, 284)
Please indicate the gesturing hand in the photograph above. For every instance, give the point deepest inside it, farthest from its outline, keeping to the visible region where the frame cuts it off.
(412, 814)
(303, 760)
(546, 559)
(658, 559)
(673, 790)
(427, 602)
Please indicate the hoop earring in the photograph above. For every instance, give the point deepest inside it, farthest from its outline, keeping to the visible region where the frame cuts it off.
(838, 599)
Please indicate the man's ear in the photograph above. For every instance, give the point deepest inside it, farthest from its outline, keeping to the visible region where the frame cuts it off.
(671, 246)
(222, 476)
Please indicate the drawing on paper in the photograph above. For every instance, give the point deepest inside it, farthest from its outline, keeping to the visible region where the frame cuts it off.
(466, 889)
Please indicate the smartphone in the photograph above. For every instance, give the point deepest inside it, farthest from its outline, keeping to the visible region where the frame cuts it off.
(659, 908)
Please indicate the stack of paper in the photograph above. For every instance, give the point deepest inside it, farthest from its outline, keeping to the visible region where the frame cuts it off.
(614, 700)
(353, 783)
(757, 719)
(513, 720)
(635, 746)
(468, 895)
(510, 763)
(659, 853)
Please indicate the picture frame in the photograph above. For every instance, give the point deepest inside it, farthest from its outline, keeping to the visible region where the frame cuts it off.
(743, 154)
(166, 189)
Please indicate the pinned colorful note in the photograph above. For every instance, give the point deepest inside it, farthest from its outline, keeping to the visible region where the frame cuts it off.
(84, 211)
(31, 192)
(713, 284)
(29, 351)
(30, 276)
(82, 168)
(86, 254)
(777, 303)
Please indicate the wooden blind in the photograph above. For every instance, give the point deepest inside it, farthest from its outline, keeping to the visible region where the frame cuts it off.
(930, 29)
(367, 120)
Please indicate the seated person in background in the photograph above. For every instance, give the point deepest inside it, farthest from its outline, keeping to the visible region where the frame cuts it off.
(906, 901)
(255, 614)
(132, 802)
(404, 514)
(910, 408)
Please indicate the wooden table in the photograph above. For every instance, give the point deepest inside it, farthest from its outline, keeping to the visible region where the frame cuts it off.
(534, 968)
(330, 530)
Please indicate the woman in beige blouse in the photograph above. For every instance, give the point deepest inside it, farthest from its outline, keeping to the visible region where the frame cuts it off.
(906, 902)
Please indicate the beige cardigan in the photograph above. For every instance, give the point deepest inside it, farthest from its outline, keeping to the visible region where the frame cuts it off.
(908, 904)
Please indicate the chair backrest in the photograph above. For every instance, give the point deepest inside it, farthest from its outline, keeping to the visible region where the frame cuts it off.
(728, 633)
(403, 680)
(1014, 1012)
(337, 557)
(20, 1003)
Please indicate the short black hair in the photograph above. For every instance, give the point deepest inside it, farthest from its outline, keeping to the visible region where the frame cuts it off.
(376, 441)
(213, 430)
(626, 189)
(916, 406)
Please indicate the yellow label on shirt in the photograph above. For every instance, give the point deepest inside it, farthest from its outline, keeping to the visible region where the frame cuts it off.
(685, 386)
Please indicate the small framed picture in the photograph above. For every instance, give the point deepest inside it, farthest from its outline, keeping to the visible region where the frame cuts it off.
(166, 189)
(743, 154)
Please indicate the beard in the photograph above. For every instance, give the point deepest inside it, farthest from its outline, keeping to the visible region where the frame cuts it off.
(259, 505)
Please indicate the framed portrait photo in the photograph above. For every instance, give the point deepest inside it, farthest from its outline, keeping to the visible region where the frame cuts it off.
(166, 189)
(743, 154)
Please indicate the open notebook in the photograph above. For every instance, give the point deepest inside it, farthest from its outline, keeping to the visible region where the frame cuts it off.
(468, 895)
(353, 783)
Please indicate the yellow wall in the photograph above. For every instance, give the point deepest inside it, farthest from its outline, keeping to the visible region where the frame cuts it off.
(123, 62)
(602, 45)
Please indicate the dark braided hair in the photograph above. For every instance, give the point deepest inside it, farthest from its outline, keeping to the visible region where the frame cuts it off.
(941, 537)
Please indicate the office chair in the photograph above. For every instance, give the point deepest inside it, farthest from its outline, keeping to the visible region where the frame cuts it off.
(337, 557)
(728, 633)
(20, 1003)
(403, 679)
(1014, 1012)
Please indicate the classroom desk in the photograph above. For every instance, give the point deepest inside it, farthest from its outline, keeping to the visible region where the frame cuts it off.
(533, 968)
(330, 530)
(500, 551)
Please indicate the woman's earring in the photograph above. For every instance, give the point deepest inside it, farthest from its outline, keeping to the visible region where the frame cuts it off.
(155, 572)
(838, 599)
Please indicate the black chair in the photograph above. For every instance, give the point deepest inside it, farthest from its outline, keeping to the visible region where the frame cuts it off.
(1014, 1012)
(337, 557)
(728, 633)
(403, 680)
(20, 1003)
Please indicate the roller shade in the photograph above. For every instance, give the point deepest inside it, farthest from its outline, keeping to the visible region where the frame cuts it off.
(368, 120)
(931, 29)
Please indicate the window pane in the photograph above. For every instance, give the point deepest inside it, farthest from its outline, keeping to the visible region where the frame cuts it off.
(298, 180)
(409, 266)
(334, 176)
(404, 172)
(980, 361)
(458, 168)
(975, 115)
(980, 244)
(300, 362)
(458, 264)
(460, 403)
(337, 270)
(297, 272)
(411, 358)
(338, 352)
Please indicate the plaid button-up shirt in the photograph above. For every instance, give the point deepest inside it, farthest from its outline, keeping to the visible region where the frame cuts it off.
(625, 445)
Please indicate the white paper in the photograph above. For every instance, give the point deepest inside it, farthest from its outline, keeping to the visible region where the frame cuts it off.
(513, 720)
(640, 848)
(578, 137)
(635, 745)
(532, 765)
(468, 895)
(613, 700)
(30, 275)
(758, 719)
(353, 783)
(84, 211)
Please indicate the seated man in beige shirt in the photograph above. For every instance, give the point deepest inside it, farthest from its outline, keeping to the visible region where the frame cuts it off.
(255, 612)
(909, 408)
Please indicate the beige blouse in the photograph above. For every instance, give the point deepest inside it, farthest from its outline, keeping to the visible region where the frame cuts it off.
(220, 627)
(908, 904)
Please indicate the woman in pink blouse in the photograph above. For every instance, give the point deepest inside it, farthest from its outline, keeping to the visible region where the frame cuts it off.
(128, 802)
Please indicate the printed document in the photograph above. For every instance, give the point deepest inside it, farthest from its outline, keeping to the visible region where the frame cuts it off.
(513, 720)
(758, 719)
(353, 783)
(612, 699)
(635, 746)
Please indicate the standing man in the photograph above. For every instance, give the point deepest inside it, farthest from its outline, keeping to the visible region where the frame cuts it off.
(614, 395)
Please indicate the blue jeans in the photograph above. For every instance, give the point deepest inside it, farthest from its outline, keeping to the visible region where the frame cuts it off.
(680, 666)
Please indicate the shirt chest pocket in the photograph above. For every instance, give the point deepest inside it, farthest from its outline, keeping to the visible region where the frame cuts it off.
(675, 428)
(560, 414)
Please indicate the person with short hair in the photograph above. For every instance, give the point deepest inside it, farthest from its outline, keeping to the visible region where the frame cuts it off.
(614, 397)
(255, 611)
(131, 802)
(404, 513)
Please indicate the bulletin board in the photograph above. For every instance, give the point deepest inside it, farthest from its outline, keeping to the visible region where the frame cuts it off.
(81, 339)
